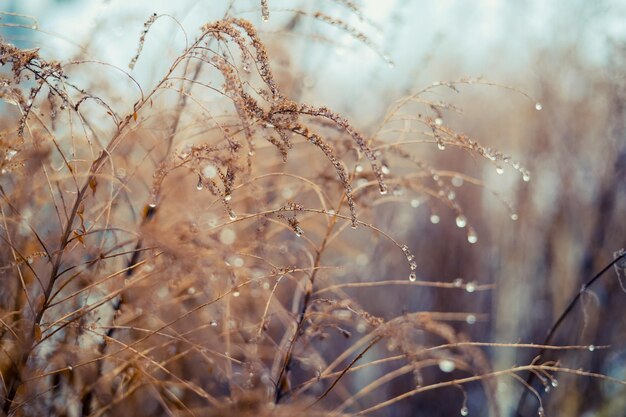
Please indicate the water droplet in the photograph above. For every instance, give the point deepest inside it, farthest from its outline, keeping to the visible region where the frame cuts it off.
(470, 287)
(441, 146)
(236, 293)
(199, 185)
(385, 169)
(410, 257)
(213, 323)
(538, 106)
(191, 290)
(227, 236)
(472, 237)
(470, 319)
(458, 282)
(499, 170)
(540, 412)
(464, 411)
(434, 219)
(383, 191)
(413, 266)
(591, 348)
(526, 176)
(514, 216)
(415, 203)
(232, 215)
(446, 365)
(461, 221)
(554, 383)
(152, 204)
(412, 276)
(70, 368)
(358, 168)
(457, 181)
(546, 389)
(451, 195)
(228, 197)
(439, 121)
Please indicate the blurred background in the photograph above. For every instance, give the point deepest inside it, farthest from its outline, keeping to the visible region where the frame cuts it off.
(568, 57)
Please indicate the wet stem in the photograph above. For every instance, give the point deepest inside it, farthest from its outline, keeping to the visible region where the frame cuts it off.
(305, 304)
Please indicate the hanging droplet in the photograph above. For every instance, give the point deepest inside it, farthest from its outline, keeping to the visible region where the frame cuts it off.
(439, 121)
(413, 266)
(213, 323)
(434, 219)
(554, 383)
(441, 146)
(446, 365)
(412, 276)
(538, 106)
(464, 411)
(228, 197)
(385, 169)
(232, 215)
(540, 412)
(470, 319)
(236, 293)
(199, 185)
(514, 216)
(499, 170)
(591, 348)
(526, 176)
(461, 221)
(358, 168)
(415, 203)
(472, 237)
(451, 195)
(470, 287)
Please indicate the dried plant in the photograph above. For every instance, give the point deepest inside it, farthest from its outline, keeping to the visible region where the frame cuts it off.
(193, 247)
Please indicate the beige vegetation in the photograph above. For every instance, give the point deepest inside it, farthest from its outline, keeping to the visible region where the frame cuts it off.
(214, 243)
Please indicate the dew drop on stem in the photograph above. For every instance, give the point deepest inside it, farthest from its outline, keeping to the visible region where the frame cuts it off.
(461, 221)
(472, 237)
